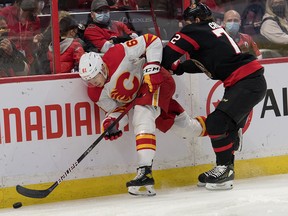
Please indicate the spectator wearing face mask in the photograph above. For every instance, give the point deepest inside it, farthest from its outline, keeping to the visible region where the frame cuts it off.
(232, 23)
(274, 25)
(102, 32)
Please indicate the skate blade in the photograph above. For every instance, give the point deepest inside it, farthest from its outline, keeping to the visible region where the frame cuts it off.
(220, 186)
(201, 184)
(135, 190)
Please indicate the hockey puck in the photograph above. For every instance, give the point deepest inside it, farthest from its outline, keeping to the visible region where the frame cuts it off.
(17, 205)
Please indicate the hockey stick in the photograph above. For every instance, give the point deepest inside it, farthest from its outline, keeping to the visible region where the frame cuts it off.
(33, 193)
(154, 19)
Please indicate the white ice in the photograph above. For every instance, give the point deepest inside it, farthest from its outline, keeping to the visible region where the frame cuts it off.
(250, 197)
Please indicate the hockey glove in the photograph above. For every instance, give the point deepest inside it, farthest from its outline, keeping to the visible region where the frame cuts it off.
(113, 133)
(133, 35)
(152, 76)
(187, 66)
(176, 69)
(117, 40)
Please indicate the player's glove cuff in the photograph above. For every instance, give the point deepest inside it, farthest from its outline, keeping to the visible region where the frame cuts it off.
(152, 76)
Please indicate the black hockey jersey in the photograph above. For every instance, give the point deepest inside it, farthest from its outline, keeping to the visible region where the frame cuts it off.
(212, 50)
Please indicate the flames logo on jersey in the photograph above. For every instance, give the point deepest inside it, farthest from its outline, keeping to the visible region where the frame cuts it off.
(125, 88)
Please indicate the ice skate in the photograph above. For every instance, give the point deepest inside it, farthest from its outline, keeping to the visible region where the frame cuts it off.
(220, 178)
(143, 183)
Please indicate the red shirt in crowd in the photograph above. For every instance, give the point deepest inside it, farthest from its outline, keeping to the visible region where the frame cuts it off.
(21, 33)
(247, 44)
(99, 36)
(70, 53)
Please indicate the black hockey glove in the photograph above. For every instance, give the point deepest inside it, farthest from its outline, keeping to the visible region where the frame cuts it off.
(117, 40)
(176, 68)
(187, 66)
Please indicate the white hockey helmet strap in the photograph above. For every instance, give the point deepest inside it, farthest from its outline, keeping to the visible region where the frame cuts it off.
(90, 65)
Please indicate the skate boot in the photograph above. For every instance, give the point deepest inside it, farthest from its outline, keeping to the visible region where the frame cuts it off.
(144, 179)
(220, 178)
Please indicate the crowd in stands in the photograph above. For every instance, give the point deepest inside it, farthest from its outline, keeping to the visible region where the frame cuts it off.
(256, 26)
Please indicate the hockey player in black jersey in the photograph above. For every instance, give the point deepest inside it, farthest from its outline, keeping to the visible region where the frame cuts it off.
(213, 52)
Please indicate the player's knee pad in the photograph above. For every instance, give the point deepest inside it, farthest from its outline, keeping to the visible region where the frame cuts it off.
(144, 119)
(186, 127)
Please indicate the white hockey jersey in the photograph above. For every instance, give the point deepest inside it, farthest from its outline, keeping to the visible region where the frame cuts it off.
(125, 63)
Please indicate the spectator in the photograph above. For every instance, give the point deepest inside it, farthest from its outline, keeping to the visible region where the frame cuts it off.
(125, 71)
(102, 32)
(252, 17)
(232, 23)
(24, 25)
(275, 25)
(42, 41)
(12, 62)
(11, 13)
(70, 48)
(40, 7)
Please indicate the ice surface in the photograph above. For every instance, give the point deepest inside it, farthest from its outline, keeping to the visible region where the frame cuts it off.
(250, 197)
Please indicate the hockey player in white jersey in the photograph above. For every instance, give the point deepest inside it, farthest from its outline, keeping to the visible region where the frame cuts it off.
(116, 79)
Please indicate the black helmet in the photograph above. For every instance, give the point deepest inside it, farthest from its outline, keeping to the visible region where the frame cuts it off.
(201, 11)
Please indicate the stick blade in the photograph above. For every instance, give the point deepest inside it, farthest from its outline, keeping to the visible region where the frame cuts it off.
(32, 193)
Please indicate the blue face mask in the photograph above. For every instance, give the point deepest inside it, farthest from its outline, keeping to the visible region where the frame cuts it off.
(232, 27)
(103, 18)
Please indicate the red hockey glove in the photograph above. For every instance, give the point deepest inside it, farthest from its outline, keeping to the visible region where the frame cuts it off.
(113, 133)
(152, 76)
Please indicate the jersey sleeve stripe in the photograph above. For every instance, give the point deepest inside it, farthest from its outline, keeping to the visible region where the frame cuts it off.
(176, 48)
(190, 40)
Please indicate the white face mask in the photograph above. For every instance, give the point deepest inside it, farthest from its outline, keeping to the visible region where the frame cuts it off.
(103, 18)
